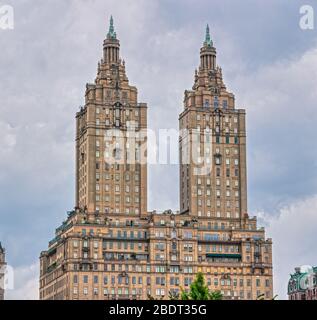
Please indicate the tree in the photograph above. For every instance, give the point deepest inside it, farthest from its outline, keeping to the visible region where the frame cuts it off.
(216, 295)
(150, 297)
(262, 297)
(172, 295)
(199, 291)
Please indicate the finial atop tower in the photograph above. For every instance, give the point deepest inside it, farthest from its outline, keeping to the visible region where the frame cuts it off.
(111, 33)
(208, 42)
(111, 46)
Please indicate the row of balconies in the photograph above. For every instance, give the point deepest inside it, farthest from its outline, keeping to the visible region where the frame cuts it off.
(120, 257)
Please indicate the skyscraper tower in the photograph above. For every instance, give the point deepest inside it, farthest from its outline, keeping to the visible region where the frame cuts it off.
(111, 171)
(213, 180)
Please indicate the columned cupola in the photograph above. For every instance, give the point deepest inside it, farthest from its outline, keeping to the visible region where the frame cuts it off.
(111, 46)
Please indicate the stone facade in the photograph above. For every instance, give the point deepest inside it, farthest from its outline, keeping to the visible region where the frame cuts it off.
(110, 246)
(303, 285)
(111, 106)
(2, 271)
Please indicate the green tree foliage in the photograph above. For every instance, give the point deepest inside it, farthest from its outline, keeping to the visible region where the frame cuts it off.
(262, 297)
(199, 291)
(173, 295)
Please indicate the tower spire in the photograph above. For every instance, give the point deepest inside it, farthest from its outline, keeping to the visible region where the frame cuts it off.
(111, 45)
(208, 42)
(208, 52)
(111, 34)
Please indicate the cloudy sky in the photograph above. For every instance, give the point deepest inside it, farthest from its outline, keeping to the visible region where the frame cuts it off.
(268, 61)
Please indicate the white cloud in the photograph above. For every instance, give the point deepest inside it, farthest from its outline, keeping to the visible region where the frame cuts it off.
(280, 99)
(283, 90)
(294, 239)
(26, 283)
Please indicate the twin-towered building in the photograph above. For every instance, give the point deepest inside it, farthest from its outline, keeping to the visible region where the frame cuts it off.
(110, 246)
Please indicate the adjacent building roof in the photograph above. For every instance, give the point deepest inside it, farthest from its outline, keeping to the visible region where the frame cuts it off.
(300, 279)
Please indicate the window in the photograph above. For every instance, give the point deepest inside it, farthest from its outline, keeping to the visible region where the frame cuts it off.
(160, 269)
(188, 270)
(216, 102)
(188, 235)
(160, 292)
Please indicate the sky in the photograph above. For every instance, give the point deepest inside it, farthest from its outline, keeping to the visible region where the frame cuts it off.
(268, 62)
